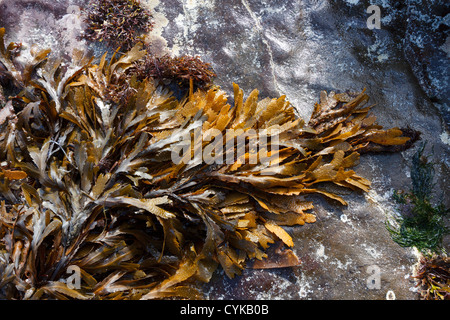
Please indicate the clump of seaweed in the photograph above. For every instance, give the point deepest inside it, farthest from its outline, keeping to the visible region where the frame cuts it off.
(118, 23)
(179, 71)
(433, 276)
(420, 223)
(88, 180)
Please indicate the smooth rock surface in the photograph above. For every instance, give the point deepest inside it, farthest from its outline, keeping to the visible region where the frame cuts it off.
(297, 49)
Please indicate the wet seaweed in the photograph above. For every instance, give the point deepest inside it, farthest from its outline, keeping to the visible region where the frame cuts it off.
(118, 23)
(121, 24)
(179, 71)
(433, 276)
(420, 223)
(88, 181)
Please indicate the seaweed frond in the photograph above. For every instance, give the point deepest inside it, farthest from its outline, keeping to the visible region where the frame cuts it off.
(146, 194)
(420, 224)
(433, 276)
(179, 70)
(118, 23)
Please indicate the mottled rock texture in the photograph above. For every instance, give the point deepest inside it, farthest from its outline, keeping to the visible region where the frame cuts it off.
(297, 49)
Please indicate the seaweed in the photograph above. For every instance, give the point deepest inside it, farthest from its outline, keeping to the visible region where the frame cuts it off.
(179, 71)
(421, 223)
(118, 23)
(433, 276)
(2, 97)
(90, 179)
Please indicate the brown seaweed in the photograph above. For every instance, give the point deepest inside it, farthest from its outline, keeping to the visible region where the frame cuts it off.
(118, 23)
(88, 180)
(179, 70)
(433, 278)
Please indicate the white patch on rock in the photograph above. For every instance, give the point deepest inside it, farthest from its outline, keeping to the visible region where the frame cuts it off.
(445, 138)
(320, 253)
(187, 22)
(304, 287)
(344, 218)
(372, 251)
(352, 2)
(378, 51)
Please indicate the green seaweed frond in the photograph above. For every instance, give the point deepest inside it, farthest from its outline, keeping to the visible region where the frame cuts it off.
(422, 175)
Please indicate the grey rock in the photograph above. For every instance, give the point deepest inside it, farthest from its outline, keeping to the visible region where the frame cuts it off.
(297, 49)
